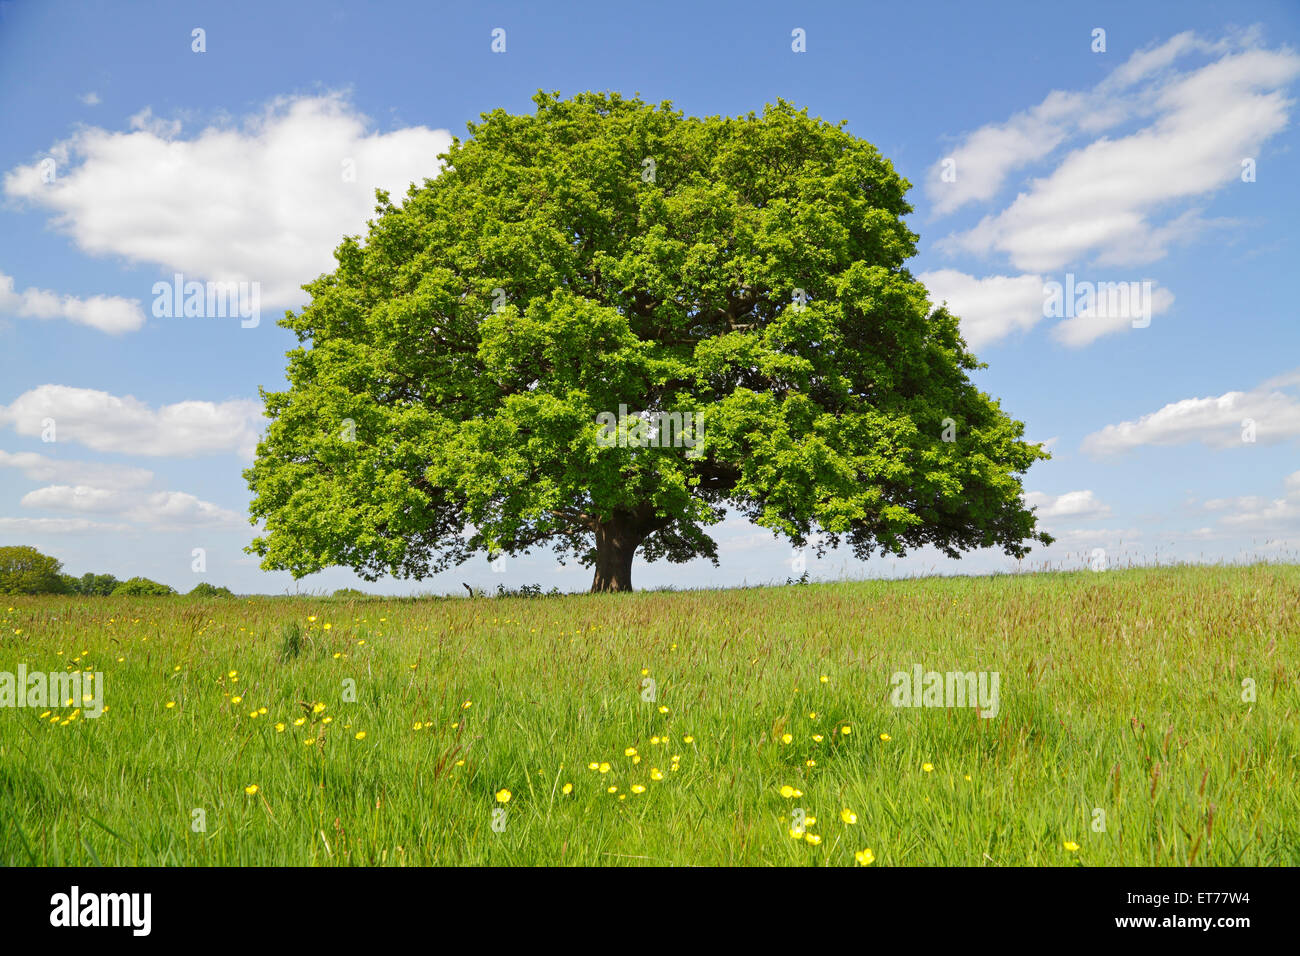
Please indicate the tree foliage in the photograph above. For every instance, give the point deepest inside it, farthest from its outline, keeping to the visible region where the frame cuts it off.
(204, 589)
(91, 585)
(605, 252)
(24, 570)
(137, 587)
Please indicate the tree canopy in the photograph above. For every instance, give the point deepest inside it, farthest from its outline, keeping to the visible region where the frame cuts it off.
(605, 259)
(137, 587)
(24, 570)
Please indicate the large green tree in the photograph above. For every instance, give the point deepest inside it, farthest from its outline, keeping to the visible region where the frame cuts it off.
(606, 253)
(24, 570)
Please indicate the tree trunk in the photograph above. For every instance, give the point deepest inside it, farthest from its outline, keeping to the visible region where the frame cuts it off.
(616, 544)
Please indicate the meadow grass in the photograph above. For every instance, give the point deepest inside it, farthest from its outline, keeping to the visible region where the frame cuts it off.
(1119, 691)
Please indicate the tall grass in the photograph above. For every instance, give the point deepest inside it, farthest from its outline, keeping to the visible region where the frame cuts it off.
(1121, 692)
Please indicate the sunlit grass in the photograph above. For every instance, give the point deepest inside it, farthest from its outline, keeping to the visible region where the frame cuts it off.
(1121, 692)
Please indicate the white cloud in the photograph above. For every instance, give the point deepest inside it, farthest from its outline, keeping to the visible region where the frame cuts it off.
(1255, 514)
(56, 526)
(1081, 537)
(994, 307)
(1106, 198)
(1216, 421)
(90, 99)
(160, 510)
(53, 470)
(177, 509)
(980, 164)
(125, 424)
(1071, 504)
(265, 201)
(990, 308)
(985, 158)
(1101, 318)
(108, 313)
(70, 498)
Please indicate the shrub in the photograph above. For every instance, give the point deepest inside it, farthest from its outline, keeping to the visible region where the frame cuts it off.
(137, 587)
(204, 589)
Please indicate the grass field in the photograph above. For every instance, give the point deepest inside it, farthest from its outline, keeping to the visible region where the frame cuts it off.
(1120, 692)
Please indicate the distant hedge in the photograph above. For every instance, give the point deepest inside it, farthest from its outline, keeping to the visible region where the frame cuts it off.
(204, 589)
(136, 587)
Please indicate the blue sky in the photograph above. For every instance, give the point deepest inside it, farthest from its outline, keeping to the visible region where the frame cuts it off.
(1122, 165)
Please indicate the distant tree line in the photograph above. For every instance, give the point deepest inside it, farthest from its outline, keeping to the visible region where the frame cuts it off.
(24, 570)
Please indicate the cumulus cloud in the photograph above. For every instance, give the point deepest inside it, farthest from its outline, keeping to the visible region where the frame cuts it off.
(1115, 308)
(983, 160)
(990, 308)
(107, 313)
(42, 468)
(978, 167)
(1252, 513)
(993, 307)
(70, 498)
(112, 423)
(1071, 504)
(179, 509)
(264, 201)
(1267, 413)
(1124, 199)
(159, 510)
(1082, 537)
(56, 526)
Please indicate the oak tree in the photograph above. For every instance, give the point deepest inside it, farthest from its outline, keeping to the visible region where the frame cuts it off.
(608, 259)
